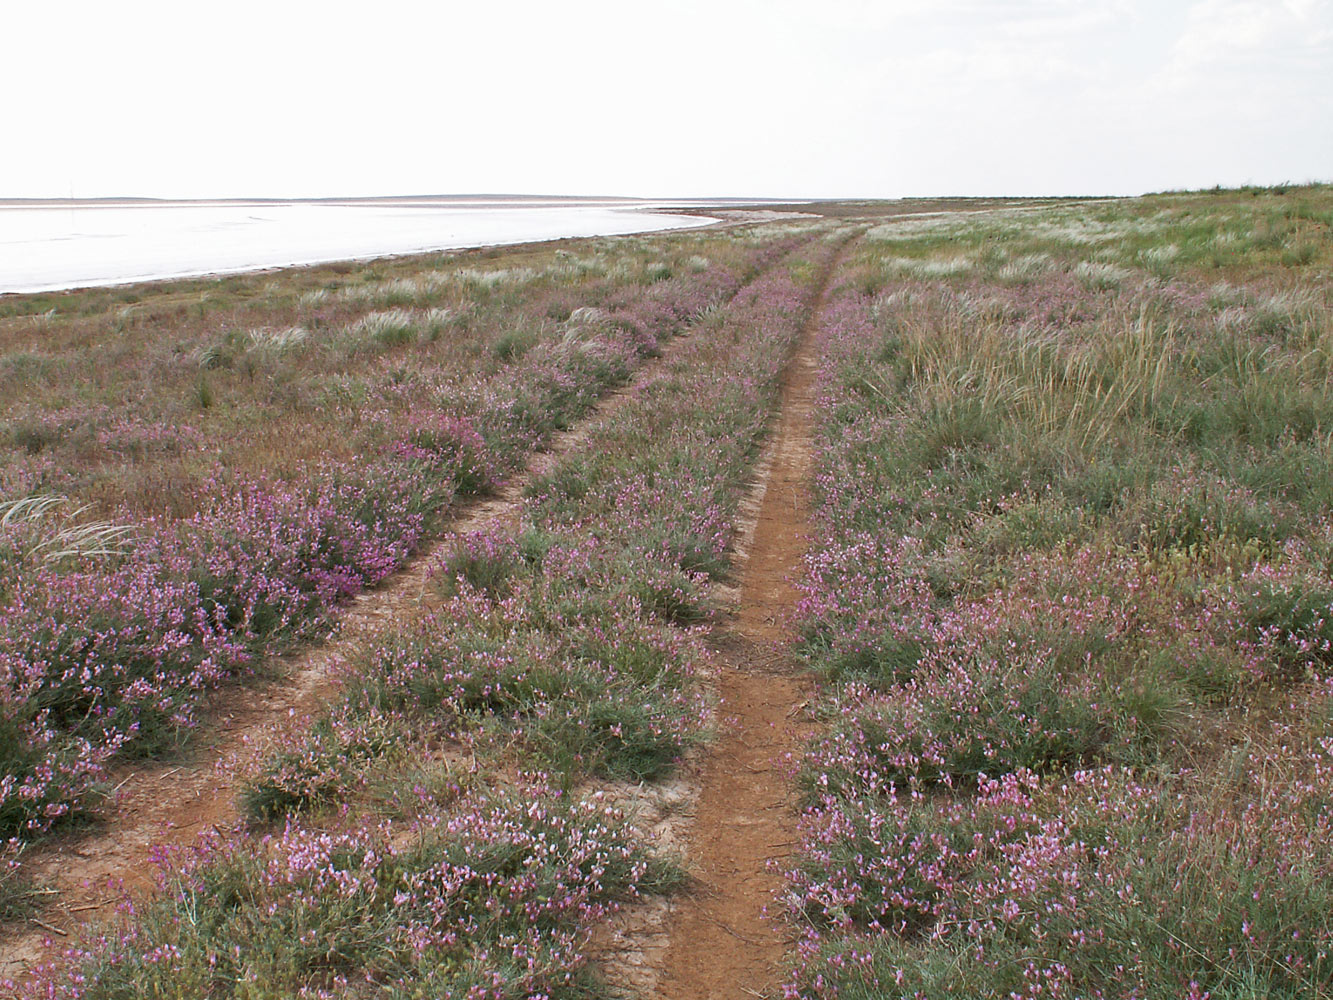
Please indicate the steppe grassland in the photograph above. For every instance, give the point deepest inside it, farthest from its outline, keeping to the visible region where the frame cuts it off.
(1069, 595)
(247, 372)
(399, 872)
(227, 475)
(1072, 593)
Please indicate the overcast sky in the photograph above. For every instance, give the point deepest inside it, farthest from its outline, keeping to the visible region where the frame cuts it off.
(835, 98)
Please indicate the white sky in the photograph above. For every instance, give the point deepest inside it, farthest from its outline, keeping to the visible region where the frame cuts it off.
(786, 98)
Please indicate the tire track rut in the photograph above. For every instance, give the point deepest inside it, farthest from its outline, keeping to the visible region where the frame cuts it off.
(721, 943)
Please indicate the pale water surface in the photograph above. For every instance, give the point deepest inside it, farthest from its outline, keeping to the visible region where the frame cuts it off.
(49, 247)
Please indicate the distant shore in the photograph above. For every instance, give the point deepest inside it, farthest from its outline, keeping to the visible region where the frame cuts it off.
(57, 244)
(443, 200)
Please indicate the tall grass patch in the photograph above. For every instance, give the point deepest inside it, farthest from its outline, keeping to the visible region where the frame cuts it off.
(1070, 588)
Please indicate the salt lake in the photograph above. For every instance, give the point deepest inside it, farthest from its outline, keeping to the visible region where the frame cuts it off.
(54, 245)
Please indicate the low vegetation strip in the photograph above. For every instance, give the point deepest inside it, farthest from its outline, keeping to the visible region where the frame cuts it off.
(1071, 595)
(111, 630)
(440, 833)
(563, 638)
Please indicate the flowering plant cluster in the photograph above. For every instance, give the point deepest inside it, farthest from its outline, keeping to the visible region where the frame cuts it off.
(491, 898)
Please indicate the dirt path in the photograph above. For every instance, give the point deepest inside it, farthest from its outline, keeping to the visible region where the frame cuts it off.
(86, 873)
(721, 944)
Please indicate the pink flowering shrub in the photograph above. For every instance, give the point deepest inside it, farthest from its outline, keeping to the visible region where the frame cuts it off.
(304, 769)
(453, 446)
(271, 558)
(95, 662)
(1096, 885)
(50, 776)
(493, 899)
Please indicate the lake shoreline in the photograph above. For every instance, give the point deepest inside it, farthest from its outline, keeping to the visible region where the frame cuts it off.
(68, 245)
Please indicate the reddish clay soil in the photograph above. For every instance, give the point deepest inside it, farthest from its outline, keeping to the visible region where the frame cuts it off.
(721, 943)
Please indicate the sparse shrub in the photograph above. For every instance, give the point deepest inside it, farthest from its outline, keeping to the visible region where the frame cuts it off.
(277, 341)
(25, 368)
(452, 447)
(1300, 254)
(442, 904)
(390, 328)
(513, 344)
(35, 437)
(204, 397)
(657, 271)
(1024, 269)
(1292, 622)
(1100, 276)
(483, 560)
(320, 766)
(1196, 512)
